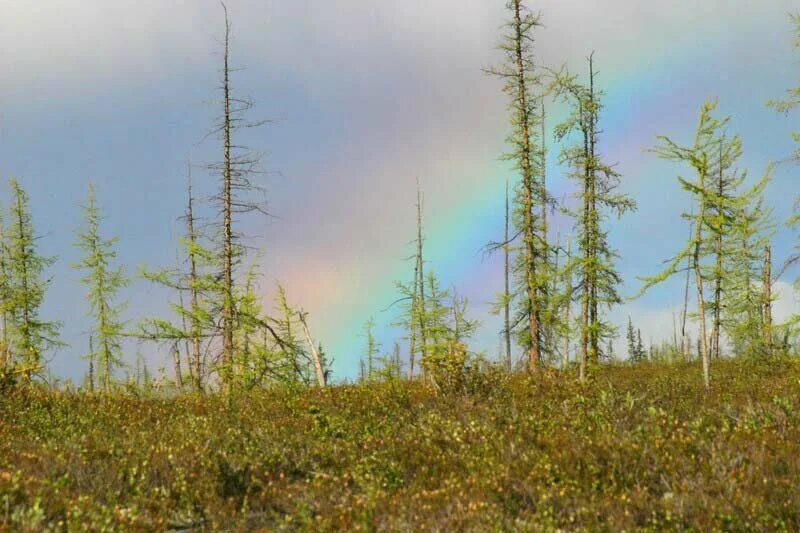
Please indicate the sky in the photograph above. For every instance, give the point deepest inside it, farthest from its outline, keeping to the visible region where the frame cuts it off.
(365, 98)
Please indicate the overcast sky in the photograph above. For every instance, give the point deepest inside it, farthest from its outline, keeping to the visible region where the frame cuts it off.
(365, 97)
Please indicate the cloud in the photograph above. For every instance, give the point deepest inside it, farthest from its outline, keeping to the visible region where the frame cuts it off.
(788, 302)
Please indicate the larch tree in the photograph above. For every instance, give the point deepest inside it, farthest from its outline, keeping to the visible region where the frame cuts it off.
(726, 217)
(630, 337)
(703, 155)
(436, 327)
(5, 294)
(520, 82)
(30, 336)
(462, 328)
(297, 365)
(104, 281)
(412, 294)
(786, 105)
(448, 330)
(195, 320)
(236, 170)
(594, 266)
(372, 350)
(747, 285)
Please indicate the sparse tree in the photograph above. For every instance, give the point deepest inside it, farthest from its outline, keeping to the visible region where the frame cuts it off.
(104, 282)
(703, 156)
(196, 320)
(521, 79)
(786, 105)
(234, 198)
(372, 351)
(595, 269)
(30, 336)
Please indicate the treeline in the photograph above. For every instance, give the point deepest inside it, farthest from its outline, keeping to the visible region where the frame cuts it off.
(556, 292)
(220, 336)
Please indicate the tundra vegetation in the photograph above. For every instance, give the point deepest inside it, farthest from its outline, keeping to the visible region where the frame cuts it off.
(249, 428)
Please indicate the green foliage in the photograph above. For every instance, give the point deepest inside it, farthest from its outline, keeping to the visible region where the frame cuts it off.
(595, 266)
(104, 282)
(792, 98)
(643, 448)
(731, 230)
(703, 155)
(636, 351)
(521, 83)
(293, 363)
(29, 337)
(371, 352)
(785, 106)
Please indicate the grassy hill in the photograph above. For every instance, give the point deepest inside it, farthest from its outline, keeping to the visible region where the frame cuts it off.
(638, 447)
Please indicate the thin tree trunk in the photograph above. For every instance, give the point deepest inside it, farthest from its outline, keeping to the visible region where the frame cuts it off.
(568, 305)
(684, 339)
(196, 357)
(412, 339)
(718, 266)
(584, 333)
(420, 287)
(768, 333)
(594, 324)
(701, 308)
(675, 347)
(585, 259)
(529, 193)
(31, 358)
(314, 353)
(227, 307)
(5, 354)
(176, 361)
(91, 363)
(507, 290)
(547, 319)
(107, 365)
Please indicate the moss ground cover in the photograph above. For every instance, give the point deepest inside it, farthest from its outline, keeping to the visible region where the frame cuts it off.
(639, 447)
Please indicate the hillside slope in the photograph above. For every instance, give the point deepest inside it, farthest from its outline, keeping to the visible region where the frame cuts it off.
(638, 447)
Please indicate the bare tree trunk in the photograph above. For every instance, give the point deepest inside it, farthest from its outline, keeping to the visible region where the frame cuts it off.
(176, 361)
(684, 339)
(675, 346)
(91, 363)
(196, 356)
(227, 252)
(507, 290)
(768, 333)
(107, 372)
(320, 373)
(701, 307)
(412, 341)
(567, 306)
(420, 286)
